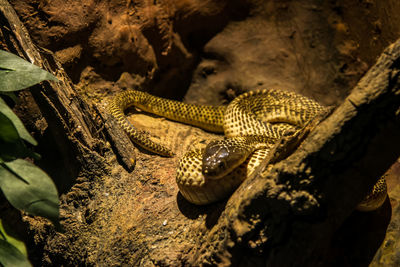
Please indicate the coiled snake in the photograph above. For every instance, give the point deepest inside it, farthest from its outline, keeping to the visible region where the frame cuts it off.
(252, 123)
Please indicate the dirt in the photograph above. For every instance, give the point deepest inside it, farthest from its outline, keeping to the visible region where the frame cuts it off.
(204, 52)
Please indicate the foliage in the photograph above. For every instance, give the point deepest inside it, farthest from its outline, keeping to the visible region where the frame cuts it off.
(23, 184)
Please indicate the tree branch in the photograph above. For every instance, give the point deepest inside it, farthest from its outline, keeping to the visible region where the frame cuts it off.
(288, 214)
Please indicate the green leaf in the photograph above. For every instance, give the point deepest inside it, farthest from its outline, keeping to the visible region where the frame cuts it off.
(11, 145)
(8, 132)
(11, 95)
(29, 188)
(17, 73)
(19, 126)
(10, 256)
(18, 149)
(9, 236)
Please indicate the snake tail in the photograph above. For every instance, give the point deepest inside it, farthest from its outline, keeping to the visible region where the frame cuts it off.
(376, 197)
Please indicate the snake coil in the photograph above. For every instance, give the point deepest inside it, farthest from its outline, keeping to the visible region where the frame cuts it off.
(252, 123)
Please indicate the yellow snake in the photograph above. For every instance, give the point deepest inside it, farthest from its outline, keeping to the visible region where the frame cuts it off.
(252, 123)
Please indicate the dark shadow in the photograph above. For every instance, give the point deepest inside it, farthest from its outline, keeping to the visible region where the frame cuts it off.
(58, 160)
(358, 239)
(212, 211)
(175, 69)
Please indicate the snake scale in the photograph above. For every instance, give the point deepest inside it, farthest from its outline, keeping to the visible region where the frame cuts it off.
(251, 123)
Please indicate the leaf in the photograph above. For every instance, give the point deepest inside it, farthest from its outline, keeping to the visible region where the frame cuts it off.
(29, 188)
(22, 132)
(11, 145)
(8, 132)
(11, 256)
(12, 151)
(10, 95)
(17, 73)
(9, 236)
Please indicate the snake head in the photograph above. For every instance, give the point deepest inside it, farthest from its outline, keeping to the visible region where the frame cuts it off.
(220, 158)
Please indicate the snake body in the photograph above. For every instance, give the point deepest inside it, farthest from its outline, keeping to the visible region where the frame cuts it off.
(206, 117)
(251, 123)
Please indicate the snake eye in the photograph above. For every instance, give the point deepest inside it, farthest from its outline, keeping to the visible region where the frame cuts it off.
(221, 165)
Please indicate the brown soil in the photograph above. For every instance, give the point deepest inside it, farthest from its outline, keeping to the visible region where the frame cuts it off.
(204, 52)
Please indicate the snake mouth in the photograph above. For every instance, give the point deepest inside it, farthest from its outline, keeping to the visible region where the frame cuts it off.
(215, 170)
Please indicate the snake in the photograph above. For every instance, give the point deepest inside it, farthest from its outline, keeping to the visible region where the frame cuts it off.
(251, 123)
